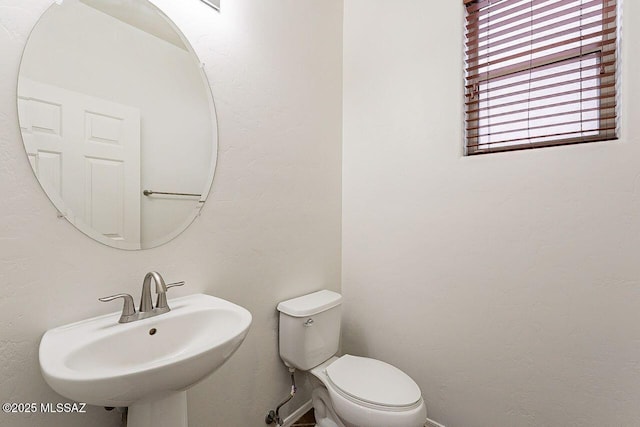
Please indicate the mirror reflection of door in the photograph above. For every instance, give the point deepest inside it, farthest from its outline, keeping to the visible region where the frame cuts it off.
(87, 150)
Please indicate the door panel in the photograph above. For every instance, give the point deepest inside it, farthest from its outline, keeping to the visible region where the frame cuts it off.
(85, 151)
(105, 212)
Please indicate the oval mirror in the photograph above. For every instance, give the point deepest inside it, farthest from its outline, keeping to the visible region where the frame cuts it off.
(117, 120)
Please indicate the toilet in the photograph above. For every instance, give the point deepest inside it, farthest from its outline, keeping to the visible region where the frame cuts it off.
(348, 391)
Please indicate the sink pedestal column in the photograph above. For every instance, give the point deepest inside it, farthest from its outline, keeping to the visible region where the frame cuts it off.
(166, 411)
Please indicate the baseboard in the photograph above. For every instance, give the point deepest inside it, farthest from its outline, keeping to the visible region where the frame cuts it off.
(297, 414)
(431, 423)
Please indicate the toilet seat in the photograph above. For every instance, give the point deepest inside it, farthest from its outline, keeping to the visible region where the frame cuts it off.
(373, 383)
(352, 410)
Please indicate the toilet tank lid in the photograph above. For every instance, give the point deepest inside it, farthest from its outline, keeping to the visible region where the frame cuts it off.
(308, 305)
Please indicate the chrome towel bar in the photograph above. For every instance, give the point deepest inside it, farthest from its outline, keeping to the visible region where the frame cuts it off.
(150, 192)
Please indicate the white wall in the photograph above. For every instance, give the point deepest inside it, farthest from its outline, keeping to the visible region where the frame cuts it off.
(507, 285)
(270, 230)
(84, 50)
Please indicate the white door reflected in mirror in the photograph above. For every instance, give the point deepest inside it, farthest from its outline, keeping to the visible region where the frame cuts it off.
(112, 101)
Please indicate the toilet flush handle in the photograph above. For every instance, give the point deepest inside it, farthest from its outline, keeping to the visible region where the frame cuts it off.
(308, 322)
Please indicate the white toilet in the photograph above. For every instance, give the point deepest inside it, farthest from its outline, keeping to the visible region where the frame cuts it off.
(349, 391)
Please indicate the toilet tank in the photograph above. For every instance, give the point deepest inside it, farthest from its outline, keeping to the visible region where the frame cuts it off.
(310, 329)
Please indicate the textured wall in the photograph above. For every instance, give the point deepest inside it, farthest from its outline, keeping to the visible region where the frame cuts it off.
(507, 285)
(270, 230)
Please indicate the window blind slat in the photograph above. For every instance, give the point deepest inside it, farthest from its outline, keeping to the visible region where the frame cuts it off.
(540, 98)
(565, 134)
(502, 28)
(485, 96)
(545, 29)
(546, 126)
(549, 98)
(578, 33)
(483, 7)
(549, 47)
(601, 99)
(576, 54)
(479, 19)
(544, 116)
(540, 144)
(498, 31)
(603, 65)
(499, 91)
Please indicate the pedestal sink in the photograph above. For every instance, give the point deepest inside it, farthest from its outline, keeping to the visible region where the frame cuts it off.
(145, 365)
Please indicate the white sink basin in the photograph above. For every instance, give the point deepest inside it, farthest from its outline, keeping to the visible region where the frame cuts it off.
(147, 362)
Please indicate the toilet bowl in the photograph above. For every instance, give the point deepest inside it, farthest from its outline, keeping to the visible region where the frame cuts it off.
(348, 391)
(367, 392)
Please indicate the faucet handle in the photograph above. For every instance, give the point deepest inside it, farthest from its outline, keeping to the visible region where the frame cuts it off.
(161, 302)
(128, 309)
(174, 284)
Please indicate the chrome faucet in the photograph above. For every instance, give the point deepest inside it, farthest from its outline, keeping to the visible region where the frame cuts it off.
(129, 313)
(161, 288)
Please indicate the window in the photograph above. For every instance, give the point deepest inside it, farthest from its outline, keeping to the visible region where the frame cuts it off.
(539, 73)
